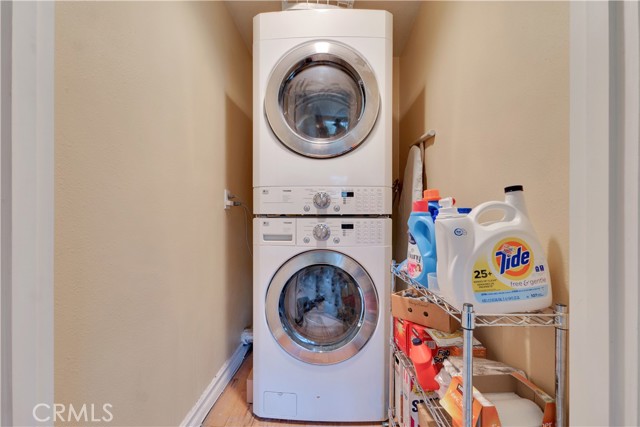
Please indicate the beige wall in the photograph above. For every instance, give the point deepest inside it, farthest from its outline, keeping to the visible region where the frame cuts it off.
(152, 276)
(492, 79)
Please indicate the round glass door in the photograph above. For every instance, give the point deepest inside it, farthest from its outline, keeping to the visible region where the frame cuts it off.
(322, 100)
(322, 307)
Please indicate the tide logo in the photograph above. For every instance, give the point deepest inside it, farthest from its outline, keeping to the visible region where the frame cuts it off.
(513, 258)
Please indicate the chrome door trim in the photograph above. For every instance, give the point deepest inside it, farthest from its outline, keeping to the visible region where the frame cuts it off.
(369, 297)
(302, 56)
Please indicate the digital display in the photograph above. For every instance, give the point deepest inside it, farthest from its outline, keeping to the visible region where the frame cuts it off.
(347, 194)
(347, 226)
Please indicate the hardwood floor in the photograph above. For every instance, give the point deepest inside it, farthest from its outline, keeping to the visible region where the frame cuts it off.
(232, 409)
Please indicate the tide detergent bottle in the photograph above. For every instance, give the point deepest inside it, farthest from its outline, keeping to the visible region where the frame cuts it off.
(498, 266)
(421, 250)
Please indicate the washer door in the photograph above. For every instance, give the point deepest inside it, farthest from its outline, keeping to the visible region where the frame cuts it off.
(322, 99)
(322, 307)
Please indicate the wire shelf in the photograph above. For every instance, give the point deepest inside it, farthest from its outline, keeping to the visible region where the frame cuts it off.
(431, 401)
(546, 317)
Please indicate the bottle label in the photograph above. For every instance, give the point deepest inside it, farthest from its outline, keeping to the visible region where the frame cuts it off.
(510, 274)
(414, 258)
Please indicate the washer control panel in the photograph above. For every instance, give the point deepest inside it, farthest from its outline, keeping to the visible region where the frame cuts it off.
(322, 232)
(335, 232)
(322, 200)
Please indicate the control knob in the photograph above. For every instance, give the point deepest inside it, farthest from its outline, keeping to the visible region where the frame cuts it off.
(321, 232)
(321, 200)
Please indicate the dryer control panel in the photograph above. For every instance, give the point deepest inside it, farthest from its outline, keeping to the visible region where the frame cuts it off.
(325, 232)
(322, 200)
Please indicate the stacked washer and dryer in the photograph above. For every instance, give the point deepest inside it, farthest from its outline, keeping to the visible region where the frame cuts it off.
(322, 200)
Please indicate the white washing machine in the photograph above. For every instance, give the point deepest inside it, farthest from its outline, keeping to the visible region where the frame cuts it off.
(322, 105)
(321, 322)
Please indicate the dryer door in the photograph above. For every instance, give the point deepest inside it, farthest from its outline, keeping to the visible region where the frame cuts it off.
(322, 307)
(322, 99)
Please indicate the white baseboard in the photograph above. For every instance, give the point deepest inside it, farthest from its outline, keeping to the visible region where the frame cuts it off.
(198, 413)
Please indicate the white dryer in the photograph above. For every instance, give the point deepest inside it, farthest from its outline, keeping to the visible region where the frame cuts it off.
(322, 104)
(321, 323)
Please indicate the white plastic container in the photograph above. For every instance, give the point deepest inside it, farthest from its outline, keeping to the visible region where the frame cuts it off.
(497, 266)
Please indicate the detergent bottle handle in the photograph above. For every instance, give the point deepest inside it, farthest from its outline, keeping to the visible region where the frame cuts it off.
(509, 212)
(429, 235)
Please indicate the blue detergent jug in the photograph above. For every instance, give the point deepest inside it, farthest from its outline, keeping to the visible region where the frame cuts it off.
(421, 251)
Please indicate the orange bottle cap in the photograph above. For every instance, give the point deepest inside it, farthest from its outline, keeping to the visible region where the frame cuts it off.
(431, 194)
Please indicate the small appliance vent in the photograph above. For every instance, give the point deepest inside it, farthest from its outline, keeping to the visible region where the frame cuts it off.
(316, 4)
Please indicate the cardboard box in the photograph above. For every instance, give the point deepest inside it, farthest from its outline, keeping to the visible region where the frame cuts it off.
(440, 353)
(401, 332)
(415, 399)
(250, 387)
(421, 312)
(424, 417)
(449, 339)
(397, 390)
(484, 412)
(406, 404)
(411, 399)
(482, 367)
(478, 351)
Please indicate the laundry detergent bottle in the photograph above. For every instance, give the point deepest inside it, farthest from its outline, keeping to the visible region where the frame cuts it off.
(451, 223)
(498, 266)
(422, 358)
(421, 250)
